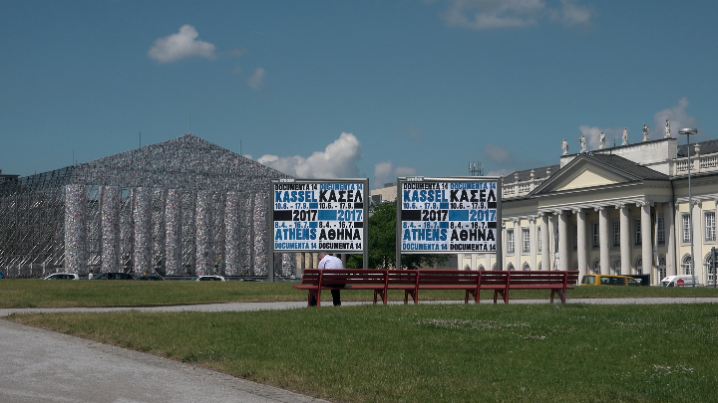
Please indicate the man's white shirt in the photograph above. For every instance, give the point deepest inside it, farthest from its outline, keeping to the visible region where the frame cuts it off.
(330, 262)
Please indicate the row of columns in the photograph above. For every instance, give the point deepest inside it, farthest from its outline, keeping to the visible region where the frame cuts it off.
(109, 198)
(562, 218)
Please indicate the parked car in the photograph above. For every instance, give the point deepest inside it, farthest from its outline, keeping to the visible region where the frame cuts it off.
(62, 276)
(677, 281)
(150, 277)
(210, 278)
(113, 276)
(608, 279)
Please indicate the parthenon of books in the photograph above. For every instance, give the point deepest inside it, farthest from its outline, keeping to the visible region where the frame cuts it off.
(180, 207)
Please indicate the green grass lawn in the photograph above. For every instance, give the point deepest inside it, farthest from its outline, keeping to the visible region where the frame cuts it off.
(38, 293)
(437, 353)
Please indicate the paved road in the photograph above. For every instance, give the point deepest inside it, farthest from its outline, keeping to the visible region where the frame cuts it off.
(39, 366)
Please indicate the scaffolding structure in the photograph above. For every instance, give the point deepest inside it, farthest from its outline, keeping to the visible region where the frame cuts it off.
(181, 207)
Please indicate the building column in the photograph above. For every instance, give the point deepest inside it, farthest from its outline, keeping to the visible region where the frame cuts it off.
(670, 239)
(625, 224)
(231, 234)
(487, 264)
(75, 261)
(474, 265)
(173, 232)
(563, 240)
(142, 217)
(545, 243)
(581, 247)
(698, 240)
(315, 260)
(202, 233)
(604, 248)
(517, 244)
(532, 242)
(551, 233)
(646, 246)
(110, 229)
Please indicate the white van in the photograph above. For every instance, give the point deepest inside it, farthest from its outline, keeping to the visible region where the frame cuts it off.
(677, 281)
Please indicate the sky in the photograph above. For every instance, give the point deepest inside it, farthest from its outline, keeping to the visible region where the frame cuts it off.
(327, 89)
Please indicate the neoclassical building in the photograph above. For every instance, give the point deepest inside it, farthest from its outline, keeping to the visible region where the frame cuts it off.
(619, 210)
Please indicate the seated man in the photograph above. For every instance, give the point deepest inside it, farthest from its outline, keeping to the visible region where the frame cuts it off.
(329, 262)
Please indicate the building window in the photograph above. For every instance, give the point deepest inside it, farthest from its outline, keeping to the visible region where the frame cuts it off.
(616, 233)
(510, 267)
(710, 225)
(538, 238)
(639, 266)
(509, 241)
(661, 268)
(686, 228)
(637, 226)
(526, 267)
(686, 265)
(617, 267)
(525, 240)
(708, 267)
(596, 237)
(661, 235)
(596, 267)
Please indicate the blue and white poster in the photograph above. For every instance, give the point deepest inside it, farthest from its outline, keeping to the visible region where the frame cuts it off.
(318, 215)
(446, 216)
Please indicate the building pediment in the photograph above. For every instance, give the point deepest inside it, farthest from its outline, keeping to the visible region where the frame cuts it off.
(594, 171)
(589, 176)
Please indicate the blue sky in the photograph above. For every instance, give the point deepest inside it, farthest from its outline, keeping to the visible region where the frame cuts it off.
(351, 88)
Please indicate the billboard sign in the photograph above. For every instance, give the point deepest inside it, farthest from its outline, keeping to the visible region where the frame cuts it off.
(311, 215)
(449, 215)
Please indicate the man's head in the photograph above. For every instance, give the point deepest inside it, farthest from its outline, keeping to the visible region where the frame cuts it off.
(321, 255)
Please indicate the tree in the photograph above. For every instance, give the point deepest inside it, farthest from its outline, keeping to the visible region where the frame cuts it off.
(382, 244)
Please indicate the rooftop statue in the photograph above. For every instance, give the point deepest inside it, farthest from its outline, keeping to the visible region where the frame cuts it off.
(564, 147)
(645, 132)
(668, 130)
(582, 139)
(624, 138)
(602, 141)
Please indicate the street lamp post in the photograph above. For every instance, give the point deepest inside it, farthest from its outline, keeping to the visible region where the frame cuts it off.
(687, 132)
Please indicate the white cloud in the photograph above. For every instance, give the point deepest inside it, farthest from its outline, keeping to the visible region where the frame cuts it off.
(338, 160)
(385, 172)
(678, 117)
(497, 154)
(573, 14)
(494, 14)
(256, 81)
(181, 45)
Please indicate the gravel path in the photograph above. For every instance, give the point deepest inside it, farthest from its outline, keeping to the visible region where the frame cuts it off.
(263, 306)
(40, 366)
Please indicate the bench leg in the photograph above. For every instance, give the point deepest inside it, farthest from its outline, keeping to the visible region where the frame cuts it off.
(375, 292)
(406, 297)
(562, 294)
(496, 293)
(552, 293)
(466, 297)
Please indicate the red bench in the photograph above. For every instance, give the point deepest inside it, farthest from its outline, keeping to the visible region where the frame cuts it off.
(412, 281)
(316, 280)
(556, 281)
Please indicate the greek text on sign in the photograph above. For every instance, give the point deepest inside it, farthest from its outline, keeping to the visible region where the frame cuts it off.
(318, 216)
(448, 216)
